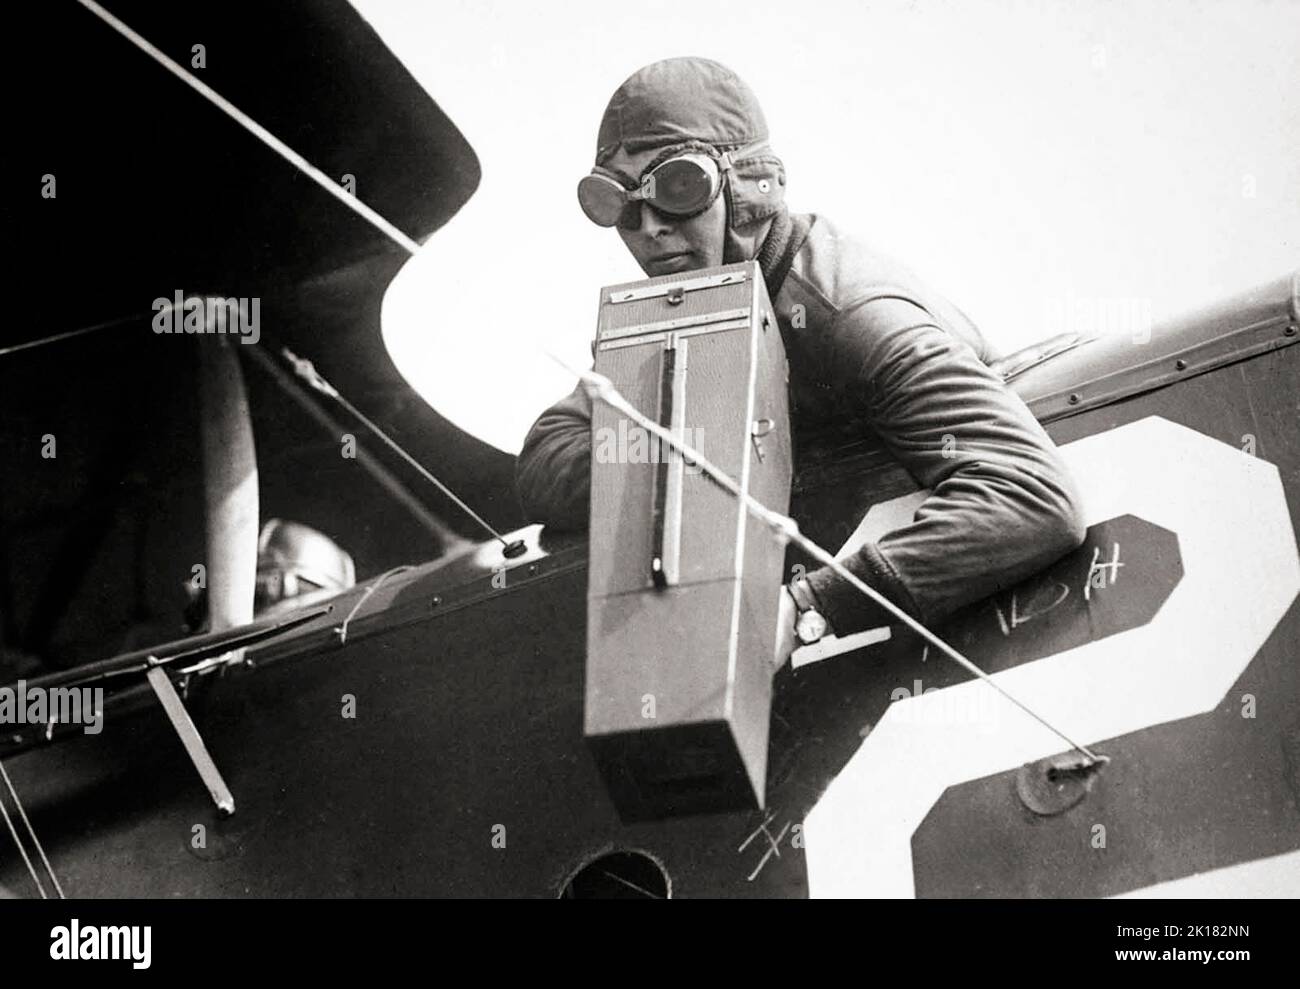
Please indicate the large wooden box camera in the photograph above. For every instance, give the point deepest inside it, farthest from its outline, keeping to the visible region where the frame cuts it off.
(684, 584)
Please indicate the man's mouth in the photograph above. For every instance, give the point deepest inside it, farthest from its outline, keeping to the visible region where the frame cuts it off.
(670, 260)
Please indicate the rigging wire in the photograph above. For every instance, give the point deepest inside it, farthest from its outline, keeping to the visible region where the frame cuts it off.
(256, 129)
(305, 370)
(597, 386)
(341, 630)
(334, 189)
(22, 850)
(66, 335)
(600, 388)
(32, 834)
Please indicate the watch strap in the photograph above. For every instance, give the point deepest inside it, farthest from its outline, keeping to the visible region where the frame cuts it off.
(804, 597)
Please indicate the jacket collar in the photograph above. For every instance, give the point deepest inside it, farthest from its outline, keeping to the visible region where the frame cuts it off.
(784, 240)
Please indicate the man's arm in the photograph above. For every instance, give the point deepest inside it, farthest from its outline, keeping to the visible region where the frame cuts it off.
(553, 473)
(1003, 505)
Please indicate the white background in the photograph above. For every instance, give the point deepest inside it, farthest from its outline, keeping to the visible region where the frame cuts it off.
(1027, 158)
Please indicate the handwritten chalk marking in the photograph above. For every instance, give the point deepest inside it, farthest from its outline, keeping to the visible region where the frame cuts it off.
(1097, 571)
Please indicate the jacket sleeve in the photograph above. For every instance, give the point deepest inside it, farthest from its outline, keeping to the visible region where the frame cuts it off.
(553, 472)
(1002, 503)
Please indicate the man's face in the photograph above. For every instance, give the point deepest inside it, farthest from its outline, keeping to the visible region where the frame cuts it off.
(664, 244)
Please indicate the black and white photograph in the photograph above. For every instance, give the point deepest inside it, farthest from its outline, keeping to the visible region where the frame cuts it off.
(716, 450)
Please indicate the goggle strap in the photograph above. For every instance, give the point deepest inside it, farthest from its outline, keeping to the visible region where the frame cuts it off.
(729, 158)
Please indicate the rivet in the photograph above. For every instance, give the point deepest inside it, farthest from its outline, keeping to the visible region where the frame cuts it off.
(764, 185)
(532, 568)
(1074, 398)
(1290, 331)
(675, 295)
(1181, 365)
(436, 601)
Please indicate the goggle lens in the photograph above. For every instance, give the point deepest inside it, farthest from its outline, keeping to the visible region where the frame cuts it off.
(602, 199)
(680, 187)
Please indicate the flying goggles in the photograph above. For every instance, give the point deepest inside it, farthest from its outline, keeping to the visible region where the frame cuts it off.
(681, 186)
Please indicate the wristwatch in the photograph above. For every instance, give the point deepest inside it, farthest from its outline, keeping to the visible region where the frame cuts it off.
(811, 625)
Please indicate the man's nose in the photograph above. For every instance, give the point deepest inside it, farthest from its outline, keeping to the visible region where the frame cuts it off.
(654, 223)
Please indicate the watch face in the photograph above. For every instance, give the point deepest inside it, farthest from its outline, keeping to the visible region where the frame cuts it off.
(810, 627)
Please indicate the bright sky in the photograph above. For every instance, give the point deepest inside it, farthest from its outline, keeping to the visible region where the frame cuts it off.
(1042, 164)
